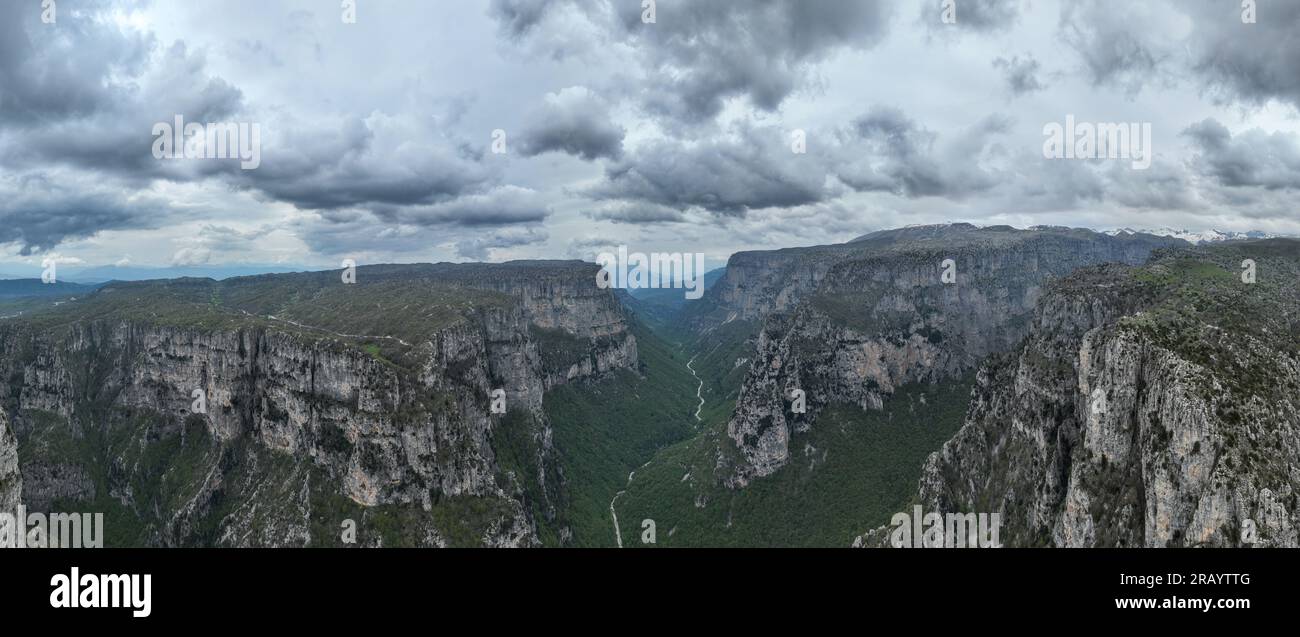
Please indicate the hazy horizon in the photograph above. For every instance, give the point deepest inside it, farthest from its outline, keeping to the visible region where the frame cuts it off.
(100, 273)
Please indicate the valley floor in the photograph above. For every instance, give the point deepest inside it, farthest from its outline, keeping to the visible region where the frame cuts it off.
(632, 444)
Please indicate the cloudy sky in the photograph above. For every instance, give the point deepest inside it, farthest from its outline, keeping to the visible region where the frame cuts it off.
(675, 135)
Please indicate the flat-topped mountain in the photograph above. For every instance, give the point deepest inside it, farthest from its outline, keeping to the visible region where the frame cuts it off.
(759, 282)
(265, 410)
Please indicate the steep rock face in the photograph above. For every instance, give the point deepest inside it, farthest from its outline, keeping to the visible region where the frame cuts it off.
(758, 283)
(314, 410)
(1151, 407)
(888, 318)
(11, 479)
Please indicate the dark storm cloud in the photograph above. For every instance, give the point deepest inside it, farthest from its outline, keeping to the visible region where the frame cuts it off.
(502, 206)
(754, 168)
(1248, 62)
(80, 93)
(1251, 158)
(696, 55)
(1021, 74)
(55, 71)
(78, 100)
(36, 215)
(85, 93)
(699, 54)
(573, 121)
(751, 168)
(678, 120)
(385, 161)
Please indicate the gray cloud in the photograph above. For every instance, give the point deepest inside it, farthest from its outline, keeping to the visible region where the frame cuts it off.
(1164, 186)
(1021, 74)
(637, 213)
(586, 248)
(479, 247)
(976, 15)
(1252, 158)
(501, 206)
(1116, 47)
(38, 213)
(988, 15)
(574, 121)
(85, 93)
(384, 160)
(75, 68)
(1251, 62)
(701, 53)
(885, 151)
(1052, 185)
(518, 17)
(696, 55)
(109, 128)
(750, 168)
(683, 125)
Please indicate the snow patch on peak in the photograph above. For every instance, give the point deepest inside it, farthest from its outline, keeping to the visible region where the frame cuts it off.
(1195, 237)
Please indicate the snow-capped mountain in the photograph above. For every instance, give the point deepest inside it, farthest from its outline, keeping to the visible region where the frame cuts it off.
(1197, 237)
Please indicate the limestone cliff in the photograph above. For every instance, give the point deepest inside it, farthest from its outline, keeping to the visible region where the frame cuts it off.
(1150, 407)
(885, 315)
(373, 399)
(11, 479)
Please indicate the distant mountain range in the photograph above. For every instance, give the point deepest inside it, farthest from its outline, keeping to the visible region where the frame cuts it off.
(105, 273)
(21, 288)
(1195, 237)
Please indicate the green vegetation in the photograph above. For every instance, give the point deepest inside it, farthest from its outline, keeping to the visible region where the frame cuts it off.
(165, 473)
(381, 315)
(852, 310)
(605, 429)
(166, 465)
(849, 474)
(558, 348)
(515, 439)
(1203, 311)
(722, 359)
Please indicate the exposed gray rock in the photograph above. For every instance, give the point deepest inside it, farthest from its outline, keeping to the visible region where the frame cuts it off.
(1148, 408)
(11, 479)
(884, 317)
(293, 413)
